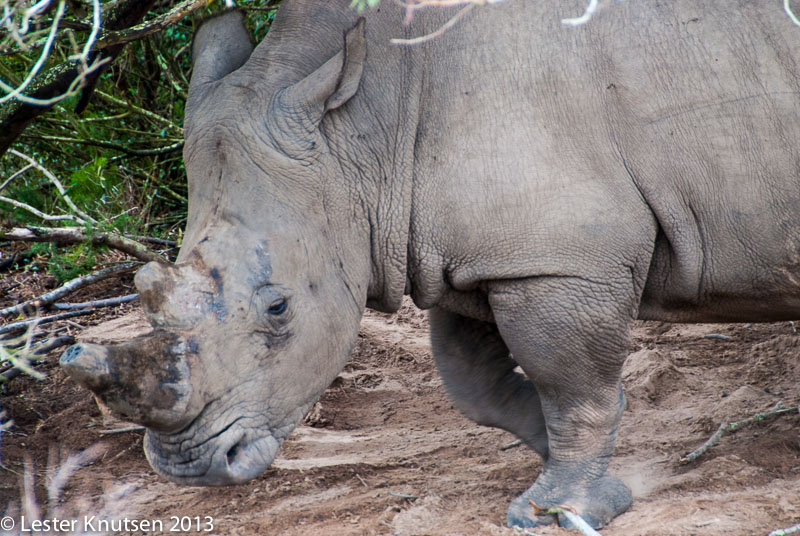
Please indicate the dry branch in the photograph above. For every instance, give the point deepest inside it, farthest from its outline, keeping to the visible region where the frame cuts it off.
(14, 176)
(727, 427)
(96, 304)
(78, 235)
(23, 324)
(135, 428)
(15, 116)
(38, 213)
(84, 218)
(151, 240)
(785, 532)
(433, 35)
(138, 110)
(66, 289)
(141, 31)
(717, 336)
(578, 523)
(175, 146)
(702, 449)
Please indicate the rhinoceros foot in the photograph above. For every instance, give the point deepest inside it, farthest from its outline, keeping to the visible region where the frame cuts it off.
(597, 504)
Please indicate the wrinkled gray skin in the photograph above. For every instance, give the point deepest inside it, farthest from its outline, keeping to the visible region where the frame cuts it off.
(537, 187)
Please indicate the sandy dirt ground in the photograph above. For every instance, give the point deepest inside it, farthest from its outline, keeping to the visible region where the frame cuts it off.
(384, 451)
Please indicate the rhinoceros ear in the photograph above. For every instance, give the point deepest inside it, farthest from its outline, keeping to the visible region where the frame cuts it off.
(221, 45)
(335, 82)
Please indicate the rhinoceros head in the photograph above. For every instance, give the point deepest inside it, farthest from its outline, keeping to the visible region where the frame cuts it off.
(261, 310)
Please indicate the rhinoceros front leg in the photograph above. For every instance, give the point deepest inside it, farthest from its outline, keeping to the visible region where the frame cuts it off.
(570, 336)
(479, 376)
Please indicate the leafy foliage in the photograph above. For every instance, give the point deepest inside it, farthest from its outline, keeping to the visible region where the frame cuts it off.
(120, 160)
(361, 5)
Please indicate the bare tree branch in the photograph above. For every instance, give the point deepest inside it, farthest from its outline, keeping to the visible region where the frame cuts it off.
(84, 218)
(15, 116)
(789, 12)
(95, 304)
(731, 427)
(38, 213)
(23, 324)
(786, 531)
(29, 307)
(150, 27)
(176, 146)
(433, 35)
(78, 235)
(14, 176)
(88, 66)
(583, 19)
(141, 111)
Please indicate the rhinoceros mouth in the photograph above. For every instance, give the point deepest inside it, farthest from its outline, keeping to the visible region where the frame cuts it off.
(233, 455)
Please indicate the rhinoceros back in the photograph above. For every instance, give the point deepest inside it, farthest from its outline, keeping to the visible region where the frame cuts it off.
(680, 115)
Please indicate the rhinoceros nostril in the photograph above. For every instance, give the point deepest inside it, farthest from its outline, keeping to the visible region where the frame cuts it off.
(233, 452)
(70, 354)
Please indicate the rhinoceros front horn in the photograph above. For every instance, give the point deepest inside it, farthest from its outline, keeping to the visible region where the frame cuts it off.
(147, 380)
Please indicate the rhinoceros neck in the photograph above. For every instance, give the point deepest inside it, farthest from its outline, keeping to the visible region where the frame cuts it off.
(373, 138)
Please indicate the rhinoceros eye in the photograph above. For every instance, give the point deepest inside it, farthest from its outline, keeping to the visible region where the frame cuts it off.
(278, 307)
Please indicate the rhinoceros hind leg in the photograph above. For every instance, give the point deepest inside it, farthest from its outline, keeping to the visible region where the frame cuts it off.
(479, 376)
(570, 335)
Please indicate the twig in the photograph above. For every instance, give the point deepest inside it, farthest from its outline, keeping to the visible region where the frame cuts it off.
(583, 19)
(513, 444)
(15, 93)
(433, 35)
(403, 496)
(78, 235)
(57, 183)
(151, 240)
(125, 430)
(726, 427)
(82, 59)
(692, 456)
(717, 336)
(154, 26)
(38, 213)
(577, 521)
(14, 176)
(795, 20)
(22, 324)
(141, 111)
(784, 532)
(40, 335)
(110, 145)
(109, 302)
(66, 289)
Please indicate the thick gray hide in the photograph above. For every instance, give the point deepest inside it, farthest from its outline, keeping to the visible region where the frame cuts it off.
(538, 187)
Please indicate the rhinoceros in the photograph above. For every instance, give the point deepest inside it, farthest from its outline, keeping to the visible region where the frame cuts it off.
(536, 187)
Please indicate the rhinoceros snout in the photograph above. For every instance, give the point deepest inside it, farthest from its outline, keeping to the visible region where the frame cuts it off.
(88, 365)
(231, 457)
(147, 380)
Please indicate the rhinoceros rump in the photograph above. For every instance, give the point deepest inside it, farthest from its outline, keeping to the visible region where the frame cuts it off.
(537, 187)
